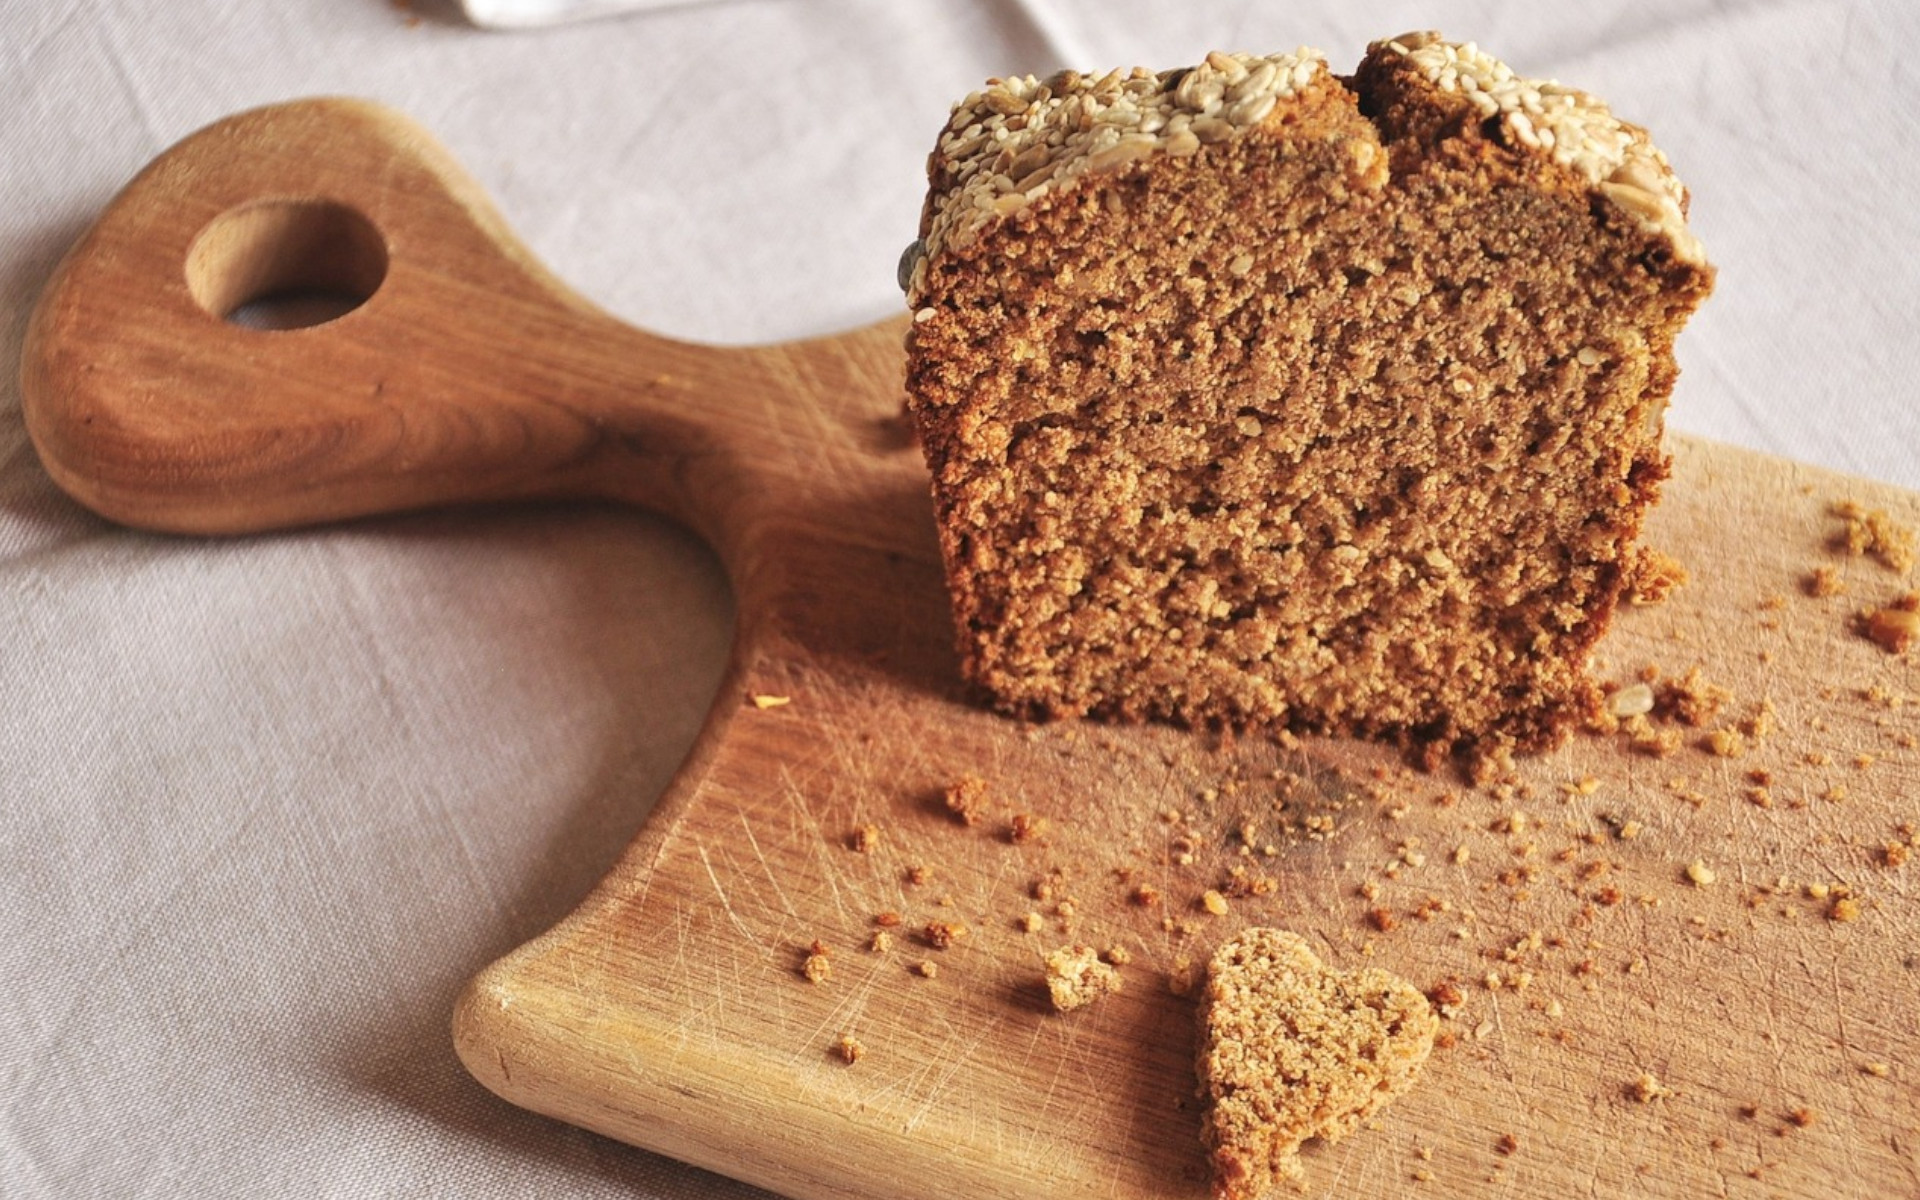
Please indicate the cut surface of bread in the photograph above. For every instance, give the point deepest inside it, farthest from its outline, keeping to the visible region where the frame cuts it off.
(1253, 395)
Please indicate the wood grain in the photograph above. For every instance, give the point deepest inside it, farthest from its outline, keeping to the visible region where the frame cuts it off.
(1591, 972)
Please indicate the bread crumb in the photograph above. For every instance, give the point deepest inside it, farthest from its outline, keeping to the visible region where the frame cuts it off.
(849, 1049)
(926, 968)
(1725, 743)
(942, 934)
(1033, 922)
(1655, 578)
(1844, 909)
(1214, 902)
(865, 838)
(1878, 1070)
(1700, 875)
(917, 874)
(1507, 1144)
(1824, 581)
(1291, 1049)
(1025, 827)
(1655, 743)
(763, 701)
(1076, 977)
(1803, 1116)
(881, 942)
(818, 968)
(1647, 1089)
(1691, 700)
(1873, 532)
(966, 798)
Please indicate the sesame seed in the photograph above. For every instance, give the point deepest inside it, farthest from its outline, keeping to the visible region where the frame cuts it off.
(1253, 109)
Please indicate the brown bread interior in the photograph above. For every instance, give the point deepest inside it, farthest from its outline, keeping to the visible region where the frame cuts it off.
(1348, 423)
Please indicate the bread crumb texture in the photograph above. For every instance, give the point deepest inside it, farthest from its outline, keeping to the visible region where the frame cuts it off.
(849, 1049)
(1872, 532)
(1291, 1049)
(1257, 396)
(1076, 977)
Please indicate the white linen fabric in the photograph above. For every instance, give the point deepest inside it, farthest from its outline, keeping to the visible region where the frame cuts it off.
(266, 802)
(531, 14)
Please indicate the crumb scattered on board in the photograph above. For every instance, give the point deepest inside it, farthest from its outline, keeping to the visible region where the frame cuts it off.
(1872, 532)
(849, 1049)
(966, 799)
(942, 934)
(1621, 845)
(1076, 977)
(817, 966)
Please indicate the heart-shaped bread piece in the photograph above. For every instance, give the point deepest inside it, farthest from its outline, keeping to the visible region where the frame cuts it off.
(1257, 394)
(1292, 1049)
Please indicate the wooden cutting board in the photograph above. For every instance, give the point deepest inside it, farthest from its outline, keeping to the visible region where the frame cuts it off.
(1679, 973)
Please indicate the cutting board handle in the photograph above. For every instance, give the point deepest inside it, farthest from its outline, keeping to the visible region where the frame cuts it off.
(466, 372)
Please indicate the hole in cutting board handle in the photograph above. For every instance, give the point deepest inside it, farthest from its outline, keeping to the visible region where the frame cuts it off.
(286, 263)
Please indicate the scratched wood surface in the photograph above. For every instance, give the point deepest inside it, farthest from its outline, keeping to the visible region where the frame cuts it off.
(1665, 975)
(1590, 969)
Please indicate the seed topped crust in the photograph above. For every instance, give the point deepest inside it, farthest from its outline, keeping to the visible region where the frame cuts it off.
(1570, 127)
(1017, 140)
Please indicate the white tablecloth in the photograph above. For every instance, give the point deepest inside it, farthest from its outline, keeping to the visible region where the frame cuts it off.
(266, 803)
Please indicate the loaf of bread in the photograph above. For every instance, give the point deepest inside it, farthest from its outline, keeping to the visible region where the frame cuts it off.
(1254, 395)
